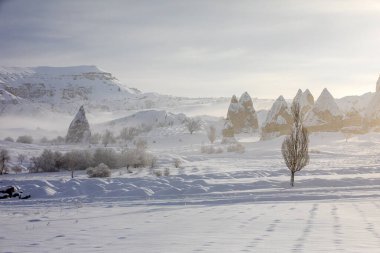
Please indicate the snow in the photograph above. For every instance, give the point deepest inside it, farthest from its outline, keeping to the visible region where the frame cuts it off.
(225, 202)
(222, 202)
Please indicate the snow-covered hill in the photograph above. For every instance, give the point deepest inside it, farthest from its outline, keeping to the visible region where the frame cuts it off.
(63, 89)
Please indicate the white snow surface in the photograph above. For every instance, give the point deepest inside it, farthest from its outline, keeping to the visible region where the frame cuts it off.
(228, 202)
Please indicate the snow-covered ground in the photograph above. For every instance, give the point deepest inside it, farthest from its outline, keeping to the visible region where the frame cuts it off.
(228, 202)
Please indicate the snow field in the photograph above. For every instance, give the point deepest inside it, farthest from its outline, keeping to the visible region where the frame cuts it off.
(322, 226)
(228, 202)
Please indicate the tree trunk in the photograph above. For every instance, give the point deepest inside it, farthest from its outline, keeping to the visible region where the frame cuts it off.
(292, 179)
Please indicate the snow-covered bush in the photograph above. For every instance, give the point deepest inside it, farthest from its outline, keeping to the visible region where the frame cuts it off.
(4, 158)
(57, 141)
(137, 158)
(48, 161)
(108, 138)
(77, 160)
(21, 158)
(141, 144)
(17, 169)
(95, 138)
(129, 133)
(10, 139)
(209, 149)
(157, 173)
(106, 156)
(25, 139)
(238, 148)
(44, 140)
(211, 134)
(101, 170)
(167, 172)
(193, 125)
(177, 162)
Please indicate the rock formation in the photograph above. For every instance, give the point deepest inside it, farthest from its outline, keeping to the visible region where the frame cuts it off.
(242, 114)
(325, 116)
(278, 121)
(305, 99)
(79, 129)
(372, 117)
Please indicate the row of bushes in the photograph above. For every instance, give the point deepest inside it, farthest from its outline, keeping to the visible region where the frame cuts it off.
(50, 161)
(233, 147)
(21, 139)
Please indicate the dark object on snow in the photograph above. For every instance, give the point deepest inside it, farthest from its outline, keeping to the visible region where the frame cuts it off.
(12, 192)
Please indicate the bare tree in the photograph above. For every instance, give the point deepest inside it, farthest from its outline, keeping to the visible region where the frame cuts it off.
(77, 160)
(295, 148)
(21, 158)
(95, 138)
(211, 134)
(193, 125)
(128, 133)
(4, 158)
(108, 138)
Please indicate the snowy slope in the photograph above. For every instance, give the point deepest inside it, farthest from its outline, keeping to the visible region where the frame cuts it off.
(357, 103)
(64, 89)
(148, 118)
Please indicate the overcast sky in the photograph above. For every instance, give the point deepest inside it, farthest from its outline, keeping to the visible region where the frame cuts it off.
(203, 48)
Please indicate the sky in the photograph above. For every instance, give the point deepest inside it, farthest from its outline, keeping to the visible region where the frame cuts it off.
(202, 48)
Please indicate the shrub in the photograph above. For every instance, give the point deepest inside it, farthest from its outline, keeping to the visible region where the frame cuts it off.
(157, 173)
(238, 148)
(77, 160)
(101, 170)
(10, 139)
(108, 138)
(21, 158)
(137, 158)
(107, 156)
(193, 125)
(211, 150)
(58, 140)
(17, 169)
(25, 139)
(167, 172)
(177, 162)
(129, 133)
(211, 134)
(141, 144)
(4, 159)
(44, 140)
(95, 138)
(48, 161)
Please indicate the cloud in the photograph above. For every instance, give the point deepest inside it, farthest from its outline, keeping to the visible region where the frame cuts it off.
(200, 48)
